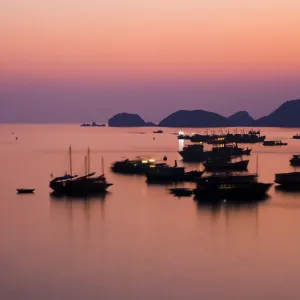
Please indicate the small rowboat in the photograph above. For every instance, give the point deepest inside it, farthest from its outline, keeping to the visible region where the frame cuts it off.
(25, 191)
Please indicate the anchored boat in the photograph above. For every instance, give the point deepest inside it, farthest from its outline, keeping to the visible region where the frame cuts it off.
(84, 185)
(232, 186)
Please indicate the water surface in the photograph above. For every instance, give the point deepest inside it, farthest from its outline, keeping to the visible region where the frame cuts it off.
(138, 242)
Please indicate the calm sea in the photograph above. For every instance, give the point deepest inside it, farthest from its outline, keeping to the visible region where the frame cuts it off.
(138, 242)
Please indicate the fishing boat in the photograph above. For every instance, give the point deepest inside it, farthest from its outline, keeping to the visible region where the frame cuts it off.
(83, 185)
(274, 143)
(213, 165)
(296, 136)
(158, 131)
(288, 180)
(25, 191)
(196, 153)
(181, 192)
(295, 160)
(165, 173)
(239, 187)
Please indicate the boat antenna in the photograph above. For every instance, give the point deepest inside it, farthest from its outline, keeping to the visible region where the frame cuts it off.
(102, 165)
(70, 157)
(89, 161)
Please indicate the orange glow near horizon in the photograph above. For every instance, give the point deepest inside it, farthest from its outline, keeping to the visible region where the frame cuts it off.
(156, 39)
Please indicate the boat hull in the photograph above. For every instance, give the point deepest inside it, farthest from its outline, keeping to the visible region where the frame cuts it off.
(241, 193)
(295, 162)
(288, 179)
(79, 187)
(226, 166)
(192, 175)
(165, 174)
(25, 191)
(181, 192)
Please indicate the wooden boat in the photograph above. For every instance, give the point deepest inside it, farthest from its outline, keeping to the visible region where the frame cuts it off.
(137, 166)
(274, 143)
(25, 191)
(238, 187)
(84, 185)
(181, 192)
(165, 173)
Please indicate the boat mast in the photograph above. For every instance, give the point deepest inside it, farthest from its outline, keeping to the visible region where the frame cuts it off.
(102, 165)
(85, 165)
(89, 161)
(70, 157)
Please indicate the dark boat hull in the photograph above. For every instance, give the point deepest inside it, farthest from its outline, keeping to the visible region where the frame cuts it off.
(181, 192)
(25, 191)
(226, 166)
(240, 193)
(193, 157)
(79, 187)
(295, 162)
(204, 155)
(192, 175)
(130, 170)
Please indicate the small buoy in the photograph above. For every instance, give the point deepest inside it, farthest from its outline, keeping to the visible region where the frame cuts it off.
(165, 158)
(154, 138)
(16, 138)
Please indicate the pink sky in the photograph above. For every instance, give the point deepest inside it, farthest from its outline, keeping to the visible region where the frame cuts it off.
(119, 55)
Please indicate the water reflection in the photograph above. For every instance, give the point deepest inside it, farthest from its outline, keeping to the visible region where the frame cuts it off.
(180, 145)
(85, 204)
(86, 198)
(216, 207)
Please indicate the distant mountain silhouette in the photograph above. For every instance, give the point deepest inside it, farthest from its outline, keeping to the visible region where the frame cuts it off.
(128, 120)
(150, 124)
(194, 118)
(287, 115)
(241, 118)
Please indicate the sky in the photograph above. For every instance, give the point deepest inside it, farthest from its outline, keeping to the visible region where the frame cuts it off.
(85, 60)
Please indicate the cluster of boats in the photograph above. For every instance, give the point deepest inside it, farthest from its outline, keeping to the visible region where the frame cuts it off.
(94, 124)
(155, 171)
(226, 151)
(221, 182)
(225, 185)
(249, 138)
